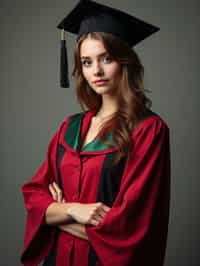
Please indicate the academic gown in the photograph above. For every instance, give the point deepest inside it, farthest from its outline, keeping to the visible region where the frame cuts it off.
(134, 231)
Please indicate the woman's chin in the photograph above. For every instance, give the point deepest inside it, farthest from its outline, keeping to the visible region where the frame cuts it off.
(102, 90)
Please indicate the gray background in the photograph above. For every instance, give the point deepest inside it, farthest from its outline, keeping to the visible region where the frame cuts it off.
(33, 105)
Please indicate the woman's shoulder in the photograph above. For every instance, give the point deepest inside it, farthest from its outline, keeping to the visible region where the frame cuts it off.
(151, 121)
(76, 115)
(73, 116)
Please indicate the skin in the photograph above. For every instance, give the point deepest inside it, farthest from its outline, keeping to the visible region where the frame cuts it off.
(63, 214)
(75, 228)
(97, 64)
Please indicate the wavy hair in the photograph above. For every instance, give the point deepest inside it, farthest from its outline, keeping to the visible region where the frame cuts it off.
(130, 95)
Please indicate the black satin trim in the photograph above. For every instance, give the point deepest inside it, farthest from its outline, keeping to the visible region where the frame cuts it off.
(109, 186)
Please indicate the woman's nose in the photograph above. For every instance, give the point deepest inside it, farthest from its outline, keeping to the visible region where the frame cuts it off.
(97, 69)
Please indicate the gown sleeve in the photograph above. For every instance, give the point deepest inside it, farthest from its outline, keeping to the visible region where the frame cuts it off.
(39, 237)
(134, 231)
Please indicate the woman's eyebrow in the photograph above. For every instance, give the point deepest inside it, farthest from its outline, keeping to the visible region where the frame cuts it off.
(100, 55)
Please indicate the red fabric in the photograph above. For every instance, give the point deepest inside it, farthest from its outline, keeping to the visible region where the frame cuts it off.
(134, 231)
(39, 238)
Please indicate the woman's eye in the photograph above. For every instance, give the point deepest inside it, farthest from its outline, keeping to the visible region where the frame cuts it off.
(107, 59)
(85, 63)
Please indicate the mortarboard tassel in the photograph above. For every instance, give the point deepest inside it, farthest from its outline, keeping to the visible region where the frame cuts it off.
(64, 71)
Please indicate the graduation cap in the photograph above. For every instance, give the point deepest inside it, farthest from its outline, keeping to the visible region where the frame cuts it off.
(89, 16)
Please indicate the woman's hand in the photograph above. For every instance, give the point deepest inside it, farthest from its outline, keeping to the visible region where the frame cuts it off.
(87, 213)
(56, 192)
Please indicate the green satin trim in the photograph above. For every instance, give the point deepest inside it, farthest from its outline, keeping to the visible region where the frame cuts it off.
(73, 130)
(73, 134)
(97, 145)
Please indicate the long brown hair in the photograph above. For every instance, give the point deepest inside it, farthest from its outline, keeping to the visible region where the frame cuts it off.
(130, 94)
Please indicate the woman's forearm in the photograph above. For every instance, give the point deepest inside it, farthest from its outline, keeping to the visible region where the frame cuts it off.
(57, 213)
(75, 229)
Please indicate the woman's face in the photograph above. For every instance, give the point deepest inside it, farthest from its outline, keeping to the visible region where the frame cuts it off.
(98, 66)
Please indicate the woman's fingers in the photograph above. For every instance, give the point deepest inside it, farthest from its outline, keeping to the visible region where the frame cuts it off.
(102, 213)
(102, 209)
(102, 206)
(94, 222)
(53, 192)
(58, 191)
(98, 218)
(98, 213)
(106, 208)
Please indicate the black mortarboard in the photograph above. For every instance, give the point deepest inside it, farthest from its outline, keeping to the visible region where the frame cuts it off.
(89, 16)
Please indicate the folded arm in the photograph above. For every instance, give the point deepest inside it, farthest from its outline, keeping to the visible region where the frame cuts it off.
(80, 214)
(75, 229)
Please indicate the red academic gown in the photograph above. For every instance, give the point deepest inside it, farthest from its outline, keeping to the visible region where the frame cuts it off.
(134, 231)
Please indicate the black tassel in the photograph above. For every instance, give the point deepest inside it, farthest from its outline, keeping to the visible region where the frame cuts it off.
(64, 71)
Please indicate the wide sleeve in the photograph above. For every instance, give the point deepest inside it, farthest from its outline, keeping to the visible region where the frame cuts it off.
(38, 236)
(134, 231)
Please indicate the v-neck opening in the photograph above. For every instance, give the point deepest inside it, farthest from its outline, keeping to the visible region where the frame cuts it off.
(76, 131)
(95, 143)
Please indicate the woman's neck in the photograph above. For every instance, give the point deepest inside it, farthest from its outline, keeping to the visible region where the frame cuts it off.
(108, 107)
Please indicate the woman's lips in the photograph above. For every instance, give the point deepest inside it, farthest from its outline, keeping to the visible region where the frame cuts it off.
(100, 82)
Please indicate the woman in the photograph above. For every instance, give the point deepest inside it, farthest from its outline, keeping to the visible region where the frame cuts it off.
(101, 197)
